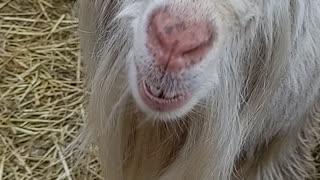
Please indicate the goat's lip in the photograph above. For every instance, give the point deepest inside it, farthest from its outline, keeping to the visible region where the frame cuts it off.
(162, 104)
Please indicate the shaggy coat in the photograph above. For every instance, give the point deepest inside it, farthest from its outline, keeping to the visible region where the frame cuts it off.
(252, 112)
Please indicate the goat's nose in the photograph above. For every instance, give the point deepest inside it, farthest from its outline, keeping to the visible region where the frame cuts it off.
(177, 43)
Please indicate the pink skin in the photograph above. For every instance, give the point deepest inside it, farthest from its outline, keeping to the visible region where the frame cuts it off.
(176, 45)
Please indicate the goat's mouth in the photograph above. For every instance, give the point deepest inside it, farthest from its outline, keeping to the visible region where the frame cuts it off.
(159, 100)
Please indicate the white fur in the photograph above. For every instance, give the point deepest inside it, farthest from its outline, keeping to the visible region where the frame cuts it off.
(251, 115)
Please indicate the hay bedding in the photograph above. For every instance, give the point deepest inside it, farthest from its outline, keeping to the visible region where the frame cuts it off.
(41, 96)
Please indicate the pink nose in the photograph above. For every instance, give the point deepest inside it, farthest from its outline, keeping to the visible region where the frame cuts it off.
(176, 43)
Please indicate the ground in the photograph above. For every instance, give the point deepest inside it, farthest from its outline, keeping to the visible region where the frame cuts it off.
(41, 94)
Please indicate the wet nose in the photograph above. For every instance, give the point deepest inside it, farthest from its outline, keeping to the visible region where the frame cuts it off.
(176, 42)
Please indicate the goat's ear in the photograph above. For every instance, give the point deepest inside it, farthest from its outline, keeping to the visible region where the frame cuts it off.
(75, 9)
(94, 16)
(87, 13)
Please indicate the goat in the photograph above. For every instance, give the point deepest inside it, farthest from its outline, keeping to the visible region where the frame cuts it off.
(202, 89)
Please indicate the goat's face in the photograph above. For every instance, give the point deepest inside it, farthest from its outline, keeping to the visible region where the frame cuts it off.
(177, 50)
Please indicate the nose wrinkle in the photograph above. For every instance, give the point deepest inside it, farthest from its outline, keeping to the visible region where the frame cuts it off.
(169, 58)
(176, 42)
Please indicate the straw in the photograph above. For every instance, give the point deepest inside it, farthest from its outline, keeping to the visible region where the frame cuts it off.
(41, 91)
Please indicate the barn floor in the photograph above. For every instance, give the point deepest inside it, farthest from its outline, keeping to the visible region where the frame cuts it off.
(41, 94)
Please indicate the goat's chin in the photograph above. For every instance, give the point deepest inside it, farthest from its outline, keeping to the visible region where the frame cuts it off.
(163, 115)
(153, 114)
(163, 112)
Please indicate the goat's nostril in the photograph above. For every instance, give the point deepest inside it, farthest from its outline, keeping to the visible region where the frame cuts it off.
(176, 42)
